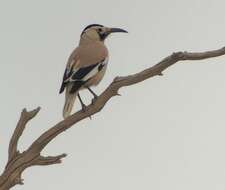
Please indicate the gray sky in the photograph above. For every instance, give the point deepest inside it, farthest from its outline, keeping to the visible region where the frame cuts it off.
(166, 133)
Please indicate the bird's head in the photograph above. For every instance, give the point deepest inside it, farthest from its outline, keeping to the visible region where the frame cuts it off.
(98, 32)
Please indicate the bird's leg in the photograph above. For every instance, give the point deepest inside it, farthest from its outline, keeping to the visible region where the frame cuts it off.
(82, 103)
(92, 92)
(95, 95)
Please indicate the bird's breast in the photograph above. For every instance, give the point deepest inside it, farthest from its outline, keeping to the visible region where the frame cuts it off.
(92, 53)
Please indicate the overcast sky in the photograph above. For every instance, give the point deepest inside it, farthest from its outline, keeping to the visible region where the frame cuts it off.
(166, 133)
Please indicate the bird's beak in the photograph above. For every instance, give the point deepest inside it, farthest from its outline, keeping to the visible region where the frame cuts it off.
(114, 30)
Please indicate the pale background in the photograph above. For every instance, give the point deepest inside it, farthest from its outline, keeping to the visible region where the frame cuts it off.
(166, 133)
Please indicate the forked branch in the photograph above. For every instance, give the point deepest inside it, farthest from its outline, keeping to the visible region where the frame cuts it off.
(19, 161)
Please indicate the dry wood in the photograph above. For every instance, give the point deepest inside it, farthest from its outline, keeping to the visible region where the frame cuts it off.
(19, 161)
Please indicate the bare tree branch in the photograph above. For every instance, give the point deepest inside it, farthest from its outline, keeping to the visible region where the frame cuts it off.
(49, 160)
(18, 162)
(24, 118)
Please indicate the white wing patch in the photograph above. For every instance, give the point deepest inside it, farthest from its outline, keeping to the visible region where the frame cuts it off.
(95, 70)
(92, 73)
(80, 76)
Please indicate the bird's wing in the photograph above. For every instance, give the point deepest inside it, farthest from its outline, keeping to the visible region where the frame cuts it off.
(80, 76)
(84, 63)
(84, 74)
(71, 66)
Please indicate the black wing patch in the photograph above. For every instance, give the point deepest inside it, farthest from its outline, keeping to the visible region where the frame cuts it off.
(66, 75)
(77, 85)
(100, 67)
(77, 77)
(82, 72)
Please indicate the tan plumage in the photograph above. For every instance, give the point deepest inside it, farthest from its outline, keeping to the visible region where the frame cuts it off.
(86, 65)
(69, 101)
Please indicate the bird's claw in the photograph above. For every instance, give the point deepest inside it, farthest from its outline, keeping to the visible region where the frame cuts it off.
(84, 107)
(94, 99)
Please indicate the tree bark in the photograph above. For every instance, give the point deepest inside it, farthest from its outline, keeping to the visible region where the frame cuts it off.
(19, 161)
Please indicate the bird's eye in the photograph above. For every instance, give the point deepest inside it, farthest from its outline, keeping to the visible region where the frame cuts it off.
(100, 30)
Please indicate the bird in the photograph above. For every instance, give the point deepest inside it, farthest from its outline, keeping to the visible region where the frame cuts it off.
(86, 65)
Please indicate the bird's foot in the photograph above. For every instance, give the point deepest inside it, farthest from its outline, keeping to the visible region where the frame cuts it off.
(84, 107)
(93, 93)
(94, 99)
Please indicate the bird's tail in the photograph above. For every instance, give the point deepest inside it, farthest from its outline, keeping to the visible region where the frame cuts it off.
(69, 102)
